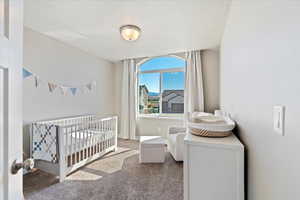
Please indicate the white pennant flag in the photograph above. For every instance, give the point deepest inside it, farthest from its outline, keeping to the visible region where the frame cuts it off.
(37, 81)
(82, 89)
(52, 86)
(63, 90)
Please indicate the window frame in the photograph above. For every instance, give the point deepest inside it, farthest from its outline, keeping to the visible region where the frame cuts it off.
(159, 115)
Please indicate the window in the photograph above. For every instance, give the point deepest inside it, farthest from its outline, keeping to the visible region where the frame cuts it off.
(161, 86)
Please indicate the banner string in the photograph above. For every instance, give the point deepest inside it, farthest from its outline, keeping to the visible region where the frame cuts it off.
(52, 85)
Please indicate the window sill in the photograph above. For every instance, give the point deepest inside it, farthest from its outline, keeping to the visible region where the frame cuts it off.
(153, 116)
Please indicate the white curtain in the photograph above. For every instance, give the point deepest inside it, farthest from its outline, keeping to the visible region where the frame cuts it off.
(128, 100)
(193, 96)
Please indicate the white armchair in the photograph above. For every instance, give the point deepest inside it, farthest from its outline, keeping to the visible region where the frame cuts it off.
(175, 138)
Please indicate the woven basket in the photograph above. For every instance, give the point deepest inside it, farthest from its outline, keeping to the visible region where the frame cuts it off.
(206, 133)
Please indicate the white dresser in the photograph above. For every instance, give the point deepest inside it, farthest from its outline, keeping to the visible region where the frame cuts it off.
(213, 168)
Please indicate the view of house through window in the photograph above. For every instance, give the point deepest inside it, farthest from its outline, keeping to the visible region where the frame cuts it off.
(161, 86)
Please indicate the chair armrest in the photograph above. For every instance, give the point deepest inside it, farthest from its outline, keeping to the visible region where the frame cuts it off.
(180, 137)
(176, 130)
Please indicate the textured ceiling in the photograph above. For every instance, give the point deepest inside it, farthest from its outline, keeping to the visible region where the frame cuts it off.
(168, 26)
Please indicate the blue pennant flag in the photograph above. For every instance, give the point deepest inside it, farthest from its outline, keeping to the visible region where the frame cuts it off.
(26, 73)
(73, 90)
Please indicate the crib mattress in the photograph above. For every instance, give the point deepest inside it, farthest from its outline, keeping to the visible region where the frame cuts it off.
(78, 141)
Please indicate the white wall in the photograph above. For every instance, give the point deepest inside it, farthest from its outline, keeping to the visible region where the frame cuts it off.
(156, 126)
(260, 68)
(53, 60)
(159, 126)
(211, 79)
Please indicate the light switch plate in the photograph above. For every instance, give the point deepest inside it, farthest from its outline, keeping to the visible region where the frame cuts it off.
(278, 117)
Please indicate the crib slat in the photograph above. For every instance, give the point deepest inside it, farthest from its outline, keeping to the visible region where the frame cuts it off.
(113, 132)
(109, 140)
(104, 135)
(89, 144)
(80, 145)
(110, 143)
(101, 131)
(107, 131)
(85, 144)
(92, 147)
(75, 143)
(71, 146)
(104, 146)
(107, 134)
(66, 136)
(95, 133)
(100, 139)
(99, 136)
(76, 151)
(93, 141)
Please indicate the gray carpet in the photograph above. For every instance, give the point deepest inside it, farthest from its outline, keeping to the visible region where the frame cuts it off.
(117, 176)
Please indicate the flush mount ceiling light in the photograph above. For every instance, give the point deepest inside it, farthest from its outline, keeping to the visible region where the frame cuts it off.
(130, 32)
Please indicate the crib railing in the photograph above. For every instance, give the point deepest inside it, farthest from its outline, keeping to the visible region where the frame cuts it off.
(80, 143)
(70, 120)
(73, 142)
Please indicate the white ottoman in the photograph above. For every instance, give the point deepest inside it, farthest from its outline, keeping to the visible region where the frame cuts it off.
(152, 149)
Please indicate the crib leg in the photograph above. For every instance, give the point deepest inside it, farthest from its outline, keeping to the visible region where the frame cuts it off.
(61, 179)
(62, 176)
(62, 158)
(62, 171)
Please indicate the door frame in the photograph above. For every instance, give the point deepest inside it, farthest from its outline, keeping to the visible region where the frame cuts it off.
(4, 74)
(11, 63)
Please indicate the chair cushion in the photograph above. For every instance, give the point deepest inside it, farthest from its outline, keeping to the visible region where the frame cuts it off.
(152, 141)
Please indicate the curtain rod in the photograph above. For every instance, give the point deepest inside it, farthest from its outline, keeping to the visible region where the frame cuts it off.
(148, 57)
(170, 54)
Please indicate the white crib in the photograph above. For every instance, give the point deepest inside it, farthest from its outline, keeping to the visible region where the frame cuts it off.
(63, 145)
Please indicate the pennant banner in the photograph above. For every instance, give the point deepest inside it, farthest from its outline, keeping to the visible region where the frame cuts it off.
(52, 87)
(37, 81)
(26, 73)
(63, 88)
(73, 91)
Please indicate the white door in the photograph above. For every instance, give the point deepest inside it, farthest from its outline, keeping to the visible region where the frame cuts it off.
(11, 52)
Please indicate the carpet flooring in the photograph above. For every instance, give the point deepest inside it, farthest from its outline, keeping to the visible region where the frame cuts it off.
(116, 176)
